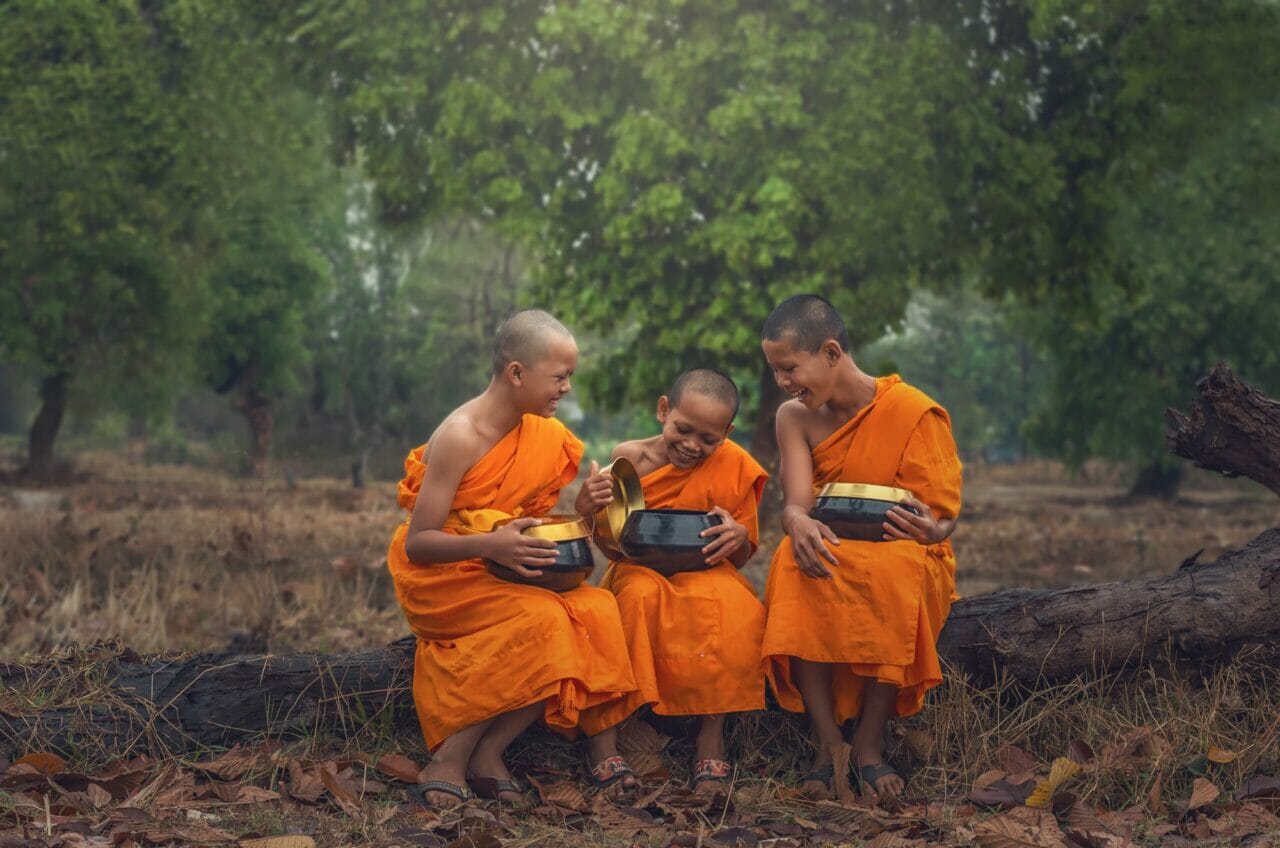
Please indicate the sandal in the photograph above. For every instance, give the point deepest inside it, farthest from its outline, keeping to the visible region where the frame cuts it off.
(609, 771)
(821, 774)
(716, 771)
(462, 793)
(868, 775)
(492, 789)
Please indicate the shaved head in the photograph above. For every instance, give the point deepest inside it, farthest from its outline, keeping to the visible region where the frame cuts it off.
(706, 382)
(524, 337)
(807, 321)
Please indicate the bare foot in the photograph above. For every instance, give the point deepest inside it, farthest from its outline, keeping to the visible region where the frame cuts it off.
(880, 783)
(816, 785)
(451, 773)
(606, 766)
(487, 767)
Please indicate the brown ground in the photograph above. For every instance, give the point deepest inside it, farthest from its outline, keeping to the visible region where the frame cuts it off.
(179, 559)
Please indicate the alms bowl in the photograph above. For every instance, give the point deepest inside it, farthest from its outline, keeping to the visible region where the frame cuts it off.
(628, 497)
(857, 510)
(573, 562)
(668, 540)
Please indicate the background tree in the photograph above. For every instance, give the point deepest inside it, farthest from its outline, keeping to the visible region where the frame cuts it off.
(91, 189)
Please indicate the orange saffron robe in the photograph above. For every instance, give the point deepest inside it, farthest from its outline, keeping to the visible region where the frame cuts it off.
(694, 638)
(487, 646)
(881, 614)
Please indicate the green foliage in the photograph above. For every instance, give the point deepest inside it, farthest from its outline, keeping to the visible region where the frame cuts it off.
(970, 355)
(676, 168)
(1205, 263)
(90, 157)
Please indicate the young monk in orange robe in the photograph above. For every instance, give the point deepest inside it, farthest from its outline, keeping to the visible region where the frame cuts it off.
(494, 656)
(695, 637)
(853, 625)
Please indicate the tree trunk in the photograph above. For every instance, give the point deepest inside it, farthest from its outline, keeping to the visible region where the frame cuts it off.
(764, 441)
(45, 427)
(257, 410)
(1232, 428)
(1158, 480)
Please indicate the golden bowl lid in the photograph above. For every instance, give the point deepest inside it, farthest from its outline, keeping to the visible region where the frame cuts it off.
(557, 528)
(628, 497)
(864, 490)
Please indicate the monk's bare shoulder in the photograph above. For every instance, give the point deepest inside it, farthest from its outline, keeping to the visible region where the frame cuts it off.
(632, 450)
(794, 420)
(458, 439)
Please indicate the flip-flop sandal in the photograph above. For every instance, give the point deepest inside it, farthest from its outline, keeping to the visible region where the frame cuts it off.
(609, 772)
(820, 774)
(870, 774)
(710, 769)
(462, 793)
(492, 788)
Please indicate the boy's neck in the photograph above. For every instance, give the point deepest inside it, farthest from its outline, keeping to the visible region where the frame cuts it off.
(498, 407)
(854, 389)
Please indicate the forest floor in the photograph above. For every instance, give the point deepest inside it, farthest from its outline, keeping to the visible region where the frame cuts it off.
(173, 559)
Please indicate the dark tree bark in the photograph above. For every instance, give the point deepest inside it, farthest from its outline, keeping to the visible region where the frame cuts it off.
(45, 427)
(1231, 428)
(764, 440)
(257, 410)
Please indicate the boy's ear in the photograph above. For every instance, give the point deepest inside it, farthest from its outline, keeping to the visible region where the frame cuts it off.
(664, 409)
(729, 431)
(832, 351)
(514, 372)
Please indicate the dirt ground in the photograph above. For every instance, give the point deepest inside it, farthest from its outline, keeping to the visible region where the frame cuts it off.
(176, 559)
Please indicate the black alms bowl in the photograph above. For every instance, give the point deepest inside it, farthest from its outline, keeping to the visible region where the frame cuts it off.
(857, 510)
(573, 562)
(668, 540)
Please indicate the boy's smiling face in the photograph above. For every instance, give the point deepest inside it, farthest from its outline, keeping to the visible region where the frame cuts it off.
(693, 430)
(805, 376)
(542, 384)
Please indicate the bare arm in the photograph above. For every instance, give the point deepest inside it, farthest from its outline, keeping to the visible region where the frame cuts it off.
(453, 451)
(809, 537)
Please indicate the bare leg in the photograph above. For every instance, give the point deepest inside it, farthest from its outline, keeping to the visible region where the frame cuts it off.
(878, 700)
(604, 745)
(449, 762)
(813, 679)
(486, 760)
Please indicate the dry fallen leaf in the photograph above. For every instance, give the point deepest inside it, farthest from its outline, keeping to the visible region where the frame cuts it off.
(42, 762)
(1014, 760)
(562, 794)
(399, 767)
(279, 842)
(340, 790)
(1202, 792)
(1009, 831)
(1060, 772)
(840, 756)
(1220, 755)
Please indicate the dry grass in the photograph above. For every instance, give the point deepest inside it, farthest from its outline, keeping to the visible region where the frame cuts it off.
(166, 558)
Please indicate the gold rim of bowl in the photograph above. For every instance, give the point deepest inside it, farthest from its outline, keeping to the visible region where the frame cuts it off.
(864, 490)
(557, 528)
(628, 497)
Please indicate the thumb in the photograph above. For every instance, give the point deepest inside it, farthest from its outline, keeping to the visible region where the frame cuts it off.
(595, 469)
(521, 523)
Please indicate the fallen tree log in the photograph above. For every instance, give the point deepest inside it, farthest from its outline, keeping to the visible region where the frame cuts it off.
(117, 703)
(1232, 428)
